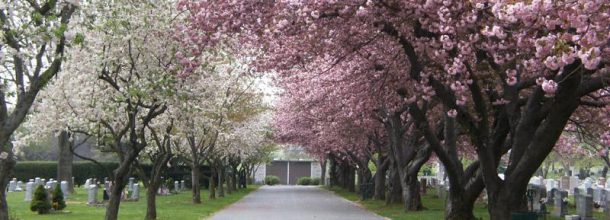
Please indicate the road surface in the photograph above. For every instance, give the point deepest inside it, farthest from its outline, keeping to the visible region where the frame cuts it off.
(293, 203)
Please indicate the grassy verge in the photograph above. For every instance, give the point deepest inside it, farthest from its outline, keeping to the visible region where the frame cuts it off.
(434, 207)
(177, 206)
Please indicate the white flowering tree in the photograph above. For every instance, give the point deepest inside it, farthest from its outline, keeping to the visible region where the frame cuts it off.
(31, 54)
(117, 84)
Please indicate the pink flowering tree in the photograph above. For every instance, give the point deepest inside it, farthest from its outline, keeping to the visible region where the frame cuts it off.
(508, 74)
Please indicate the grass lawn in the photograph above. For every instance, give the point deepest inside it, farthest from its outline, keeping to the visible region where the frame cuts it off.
(435, 207)
(177, 206)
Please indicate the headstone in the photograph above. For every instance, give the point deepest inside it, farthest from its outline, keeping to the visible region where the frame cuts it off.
(12, 185)
(130, 186)
(564, 183)
(37, 181)
(88, 183)
(64, 189)
(601, 182)
(182, 185)
(107, 185)
(574, 182)
(536, 191)
(606, 203)
(29, 189)
(19, 186)
(561, 208)
(176, 186)
(584, 207)
(105, 195)
(597, 194)
(572, 217)
(92, 195)
(135, 194)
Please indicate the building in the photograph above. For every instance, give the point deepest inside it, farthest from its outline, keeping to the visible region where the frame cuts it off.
(289, 164)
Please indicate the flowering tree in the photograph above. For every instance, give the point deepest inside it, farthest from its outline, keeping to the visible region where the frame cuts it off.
(31, 54)
(510, 73)
(115, 85)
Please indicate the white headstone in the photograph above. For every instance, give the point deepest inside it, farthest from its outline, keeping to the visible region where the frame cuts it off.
(64, 189)
(182, 185)
(37, 181)
(29, 189)
(12, 185)
(87, 183)
(130, 185)
(176, 186)
(19, 186)
(135, 193)
(92, 194)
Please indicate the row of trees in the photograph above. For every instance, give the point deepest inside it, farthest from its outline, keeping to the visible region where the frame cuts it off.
(108, 72)
(394, 81)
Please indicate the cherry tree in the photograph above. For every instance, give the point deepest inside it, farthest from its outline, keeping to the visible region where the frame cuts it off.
(115, 85)
(32, 51)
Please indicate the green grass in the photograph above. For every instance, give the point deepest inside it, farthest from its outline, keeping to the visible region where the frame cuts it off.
(434, 207)
(177, 206)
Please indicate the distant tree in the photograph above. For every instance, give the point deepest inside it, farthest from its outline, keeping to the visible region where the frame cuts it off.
(40, 203)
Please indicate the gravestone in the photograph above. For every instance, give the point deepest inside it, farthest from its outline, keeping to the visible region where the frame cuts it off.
(37, 181)
(597, 194)
(64, 189)
(182, 185)
(550, 196)
(561, 208)
(12, 186)
(92, 195)
(130, 186)
(135, 193)
(88, 183)
(107, 185)
(572, 217)
(29, 189)
(564, 183)
(536, 191)
(574, 182)
(584, 207)
(176, 186)
(601, 182)
(19, 186)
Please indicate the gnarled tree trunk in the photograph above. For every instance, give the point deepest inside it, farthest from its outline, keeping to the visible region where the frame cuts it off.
(64, 163)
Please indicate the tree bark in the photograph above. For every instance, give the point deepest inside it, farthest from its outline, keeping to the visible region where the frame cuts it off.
(380, 177)
(121, 175)
(151, 201)
(323, 172)
(64, 165)
(212, 185)
(6, 170)
(394, 189)
(196, 187)
(221, 182)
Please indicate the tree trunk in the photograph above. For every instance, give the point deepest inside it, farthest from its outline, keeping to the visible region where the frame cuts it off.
(323, 172)
(212, 184)
(196, 187)
(151, 201)
(394, 189)
(410, 193)
(457, 209)
(121, 175)
(379, 193)
(221, 182)
(64, 165)
(6, 170)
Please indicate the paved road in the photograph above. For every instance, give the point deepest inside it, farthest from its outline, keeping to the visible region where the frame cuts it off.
(293, 203)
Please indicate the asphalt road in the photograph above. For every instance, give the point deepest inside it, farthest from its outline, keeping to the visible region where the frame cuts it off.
(293, 203)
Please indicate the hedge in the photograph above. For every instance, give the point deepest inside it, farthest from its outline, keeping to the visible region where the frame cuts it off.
(82, 170)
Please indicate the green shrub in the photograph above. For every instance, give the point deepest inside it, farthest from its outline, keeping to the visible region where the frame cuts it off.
(272, 180)
(304, 181)
(40, 203)
(58, 199)
(315, 181)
